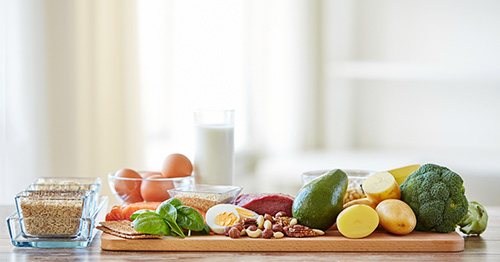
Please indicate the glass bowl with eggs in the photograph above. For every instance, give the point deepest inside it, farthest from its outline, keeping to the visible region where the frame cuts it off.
(356, 177)
(130, 186)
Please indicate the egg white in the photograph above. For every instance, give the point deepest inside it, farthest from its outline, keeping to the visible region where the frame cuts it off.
(219, 209)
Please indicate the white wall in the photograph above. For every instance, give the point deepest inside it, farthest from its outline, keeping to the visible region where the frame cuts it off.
(406, 82)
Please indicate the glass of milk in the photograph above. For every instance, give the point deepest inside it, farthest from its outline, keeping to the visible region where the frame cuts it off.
(214, 146)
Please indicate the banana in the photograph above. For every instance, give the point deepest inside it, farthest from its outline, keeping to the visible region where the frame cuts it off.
(401, 173)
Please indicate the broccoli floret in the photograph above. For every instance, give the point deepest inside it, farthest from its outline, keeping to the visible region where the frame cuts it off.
(474, 223)
(437, 196)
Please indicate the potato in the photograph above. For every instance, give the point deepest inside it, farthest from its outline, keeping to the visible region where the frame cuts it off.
(357, 221)
(396, 216)
(381, 186)
(361, 201)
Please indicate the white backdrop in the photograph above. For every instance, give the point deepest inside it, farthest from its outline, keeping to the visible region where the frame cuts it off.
(89, 87)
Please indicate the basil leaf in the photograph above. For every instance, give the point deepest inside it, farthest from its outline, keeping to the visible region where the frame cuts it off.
(151, 223)
(138, 212)
(174, 202)
(205, 231)
(175, 228)
(189, 218)
(167, 211)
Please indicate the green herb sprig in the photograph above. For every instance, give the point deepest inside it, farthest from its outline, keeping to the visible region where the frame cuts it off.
(170, 218)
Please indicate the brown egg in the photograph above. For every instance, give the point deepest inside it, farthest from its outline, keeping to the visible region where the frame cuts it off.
(128, 190)
(153, 190)
(176, 165)
(148, 174)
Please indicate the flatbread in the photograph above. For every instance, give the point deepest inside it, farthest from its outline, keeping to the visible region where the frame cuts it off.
(123, 228)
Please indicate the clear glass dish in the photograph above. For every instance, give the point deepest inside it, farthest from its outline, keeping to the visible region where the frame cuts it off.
(203, 197)
(354, 187)
(68, 184)
(53, 213)
(83, 237)
(91, 189)
(126, 189)
(65, 180)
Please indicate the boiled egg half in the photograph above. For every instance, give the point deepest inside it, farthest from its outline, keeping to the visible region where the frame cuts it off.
(221, 216)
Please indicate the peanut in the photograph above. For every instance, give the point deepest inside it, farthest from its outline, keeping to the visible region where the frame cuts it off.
(268, 224)
(260, 222)
(278, 235)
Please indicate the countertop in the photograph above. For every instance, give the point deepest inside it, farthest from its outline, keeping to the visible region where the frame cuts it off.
(483, 248)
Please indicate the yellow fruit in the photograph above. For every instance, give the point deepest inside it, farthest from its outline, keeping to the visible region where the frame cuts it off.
(357, 221)
(396, 216)
(381, 186)
(401, 173)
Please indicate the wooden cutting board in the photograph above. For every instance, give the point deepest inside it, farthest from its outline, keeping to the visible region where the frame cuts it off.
(331, 241)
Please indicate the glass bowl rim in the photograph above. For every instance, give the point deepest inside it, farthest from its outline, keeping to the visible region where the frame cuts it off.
(193, 189)
(351, 173)
(111, 176)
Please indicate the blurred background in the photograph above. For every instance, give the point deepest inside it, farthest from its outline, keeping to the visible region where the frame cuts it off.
(92, 86)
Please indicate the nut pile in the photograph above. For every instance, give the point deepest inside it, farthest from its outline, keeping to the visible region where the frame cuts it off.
(268, 227)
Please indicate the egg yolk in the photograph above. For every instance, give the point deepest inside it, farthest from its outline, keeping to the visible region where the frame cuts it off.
(244, 212)
(226, 219)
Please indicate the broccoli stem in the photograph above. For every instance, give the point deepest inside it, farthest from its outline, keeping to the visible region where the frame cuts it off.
(475, 221)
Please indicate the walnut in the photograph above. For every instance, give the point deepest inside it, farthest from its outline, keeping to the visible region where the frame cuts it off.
(299, 231)
(284, 221)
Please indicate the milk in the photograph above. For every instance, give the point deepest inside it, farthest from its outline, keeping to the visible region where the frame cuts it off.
(214, 154)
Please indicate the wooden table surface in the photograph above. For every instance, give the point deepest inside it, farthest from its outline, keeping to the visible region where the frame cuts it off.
(483, 248)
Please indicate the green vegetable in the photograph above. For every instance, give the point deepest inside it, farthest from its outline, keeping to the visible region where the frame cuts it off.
(175, 227)
(474, 223)
(170, 218)
(174, 202)
(150, 223)
(167, 211)
(138, 212)
(189, 218)
(437, 196)
(318, 203)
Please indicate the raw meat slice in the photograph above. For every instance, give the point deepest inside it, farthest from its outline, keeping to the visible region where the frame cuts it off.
(266, 203)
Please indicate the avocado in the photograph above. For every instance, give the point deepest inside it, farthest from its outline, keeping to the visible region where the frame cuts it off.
(318, 203)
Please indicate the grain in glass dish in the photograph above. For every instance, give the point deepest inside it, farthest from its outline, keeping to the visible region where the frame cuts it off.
(203, 197)
(52, 213)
